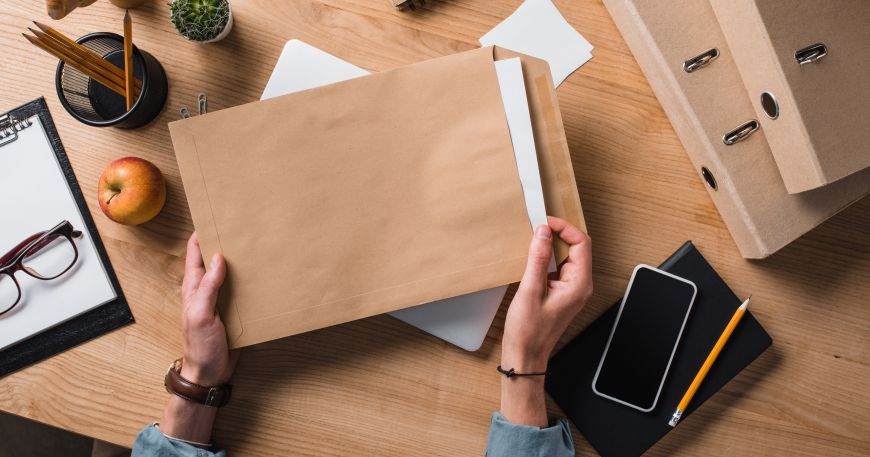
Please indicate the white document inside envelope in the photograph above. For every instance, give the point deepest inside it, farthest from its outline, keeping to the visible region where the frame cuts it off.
(464, 320)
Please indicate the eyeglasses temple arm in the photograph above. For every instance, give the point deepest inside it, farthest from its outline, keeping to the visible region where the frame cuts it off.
(18, 248)
(21, 246)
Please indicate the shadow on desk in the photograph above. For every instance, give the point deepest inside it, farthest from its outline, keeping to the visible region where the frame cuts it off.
(338, 376)
(21, 437)
(821, 264)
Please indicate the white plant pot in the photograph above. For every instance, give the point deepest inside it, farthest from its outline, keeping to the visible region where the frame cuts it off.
(224, 32)
(227, 28)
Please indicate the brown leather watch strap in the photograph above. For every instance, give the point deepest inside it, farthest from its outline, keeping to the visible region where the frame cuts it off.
(176, 384)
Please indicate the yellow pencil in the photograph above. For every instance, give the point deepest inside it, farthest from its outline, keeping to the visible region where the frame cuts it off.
(711, 359)
(128, 59)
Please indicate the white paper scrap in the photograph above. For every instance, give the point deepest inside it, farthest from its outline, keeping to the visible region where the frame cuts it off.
(537, 29)
(302, 66)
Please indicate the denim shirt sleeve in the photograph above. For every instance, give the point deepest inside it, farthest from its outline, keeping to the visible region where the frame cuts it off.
(150, 442)
(510, 440)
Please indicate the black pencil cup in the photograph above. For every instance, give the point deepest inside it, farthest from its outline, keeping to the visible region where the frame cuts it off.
(94, 104)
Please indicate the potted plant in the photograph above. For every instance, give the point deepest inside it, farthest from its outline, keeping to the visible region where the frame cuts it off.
(202, 21)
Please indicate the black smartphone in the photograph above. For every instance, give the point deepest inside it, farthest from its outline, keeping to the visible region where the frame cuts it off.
(644, 338)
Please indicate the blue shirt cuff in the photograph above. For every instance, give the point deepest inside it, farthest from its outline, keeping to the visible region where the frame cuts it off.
(511, 440)
(151, 442)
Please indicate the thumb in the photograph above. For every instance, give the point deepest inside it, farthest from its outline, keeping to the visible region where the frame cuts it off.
(534, 280)
(212, 280)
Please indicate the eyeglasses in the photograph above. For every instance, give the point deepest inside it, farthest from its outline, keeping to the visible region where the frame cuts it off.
(45, 255)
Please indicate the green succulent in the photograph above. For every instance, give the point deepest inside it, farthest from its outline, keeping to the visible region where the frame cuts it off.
(200, 20)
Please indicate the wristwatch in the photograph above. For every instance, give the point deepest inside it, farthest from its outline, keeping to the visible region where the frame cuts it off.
(176, 384)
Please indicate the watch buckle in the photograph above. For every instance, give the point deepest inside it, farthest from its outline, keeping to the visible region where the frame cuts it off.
(210, 398)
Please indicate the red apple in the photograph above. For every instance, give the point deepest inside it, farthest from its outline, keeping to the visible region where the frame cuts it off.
(132, 191)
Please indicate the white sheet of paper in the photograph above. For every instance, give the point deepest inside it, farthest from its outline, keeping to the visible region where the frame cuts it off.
(462, 320)
(302, 66)
(538, 29)
(38, 198)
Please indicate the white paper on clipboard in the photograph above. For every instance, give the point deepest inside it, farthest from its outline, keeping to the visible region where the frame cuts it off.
(39, 198)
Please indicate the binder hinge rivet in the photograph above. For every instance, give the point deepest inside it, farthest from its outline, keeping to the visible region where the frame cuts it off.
(709, 178)
(769, 105)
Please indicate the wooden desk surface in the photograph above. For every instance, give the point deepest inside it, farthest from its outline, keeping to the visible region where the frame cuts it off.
(378, 386)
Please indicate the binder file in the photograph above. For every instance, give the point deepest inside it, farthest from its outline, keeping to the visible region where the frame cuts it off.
(38, 330)
(805, 69)
(690, 68)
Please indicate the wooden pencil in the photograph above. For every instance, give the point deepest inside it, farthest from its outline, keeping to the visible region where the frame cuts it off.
(128, 58)
(708, 363)
(77, 58)
(87, 53)
(77, 63)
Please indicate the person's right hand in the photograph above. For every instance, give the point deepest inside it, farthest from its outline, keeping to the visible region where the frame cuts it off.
(207, 359)
(542, 308)
(539, 313)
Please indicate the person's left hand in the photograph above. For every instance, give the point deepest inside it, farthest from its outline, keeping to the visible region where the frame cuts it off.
(207, 359)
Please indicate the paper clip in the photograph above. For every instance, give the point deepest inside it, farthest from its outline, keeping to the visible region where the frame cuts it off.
(185, 113)
(202, 103)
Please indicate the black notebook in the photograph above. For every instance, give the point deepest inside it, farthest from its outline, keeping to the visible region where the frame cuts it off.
(40, 190)
(617, 430)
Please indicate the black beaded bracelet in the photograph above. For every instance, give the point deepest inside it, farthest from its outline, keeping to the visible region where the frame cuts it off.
(511, 373)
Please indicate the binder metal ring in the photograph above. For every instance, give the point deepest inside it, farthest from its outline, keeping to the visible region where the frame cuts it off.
(700, 60)
(741, 132)
(811, 53)
(9, 128)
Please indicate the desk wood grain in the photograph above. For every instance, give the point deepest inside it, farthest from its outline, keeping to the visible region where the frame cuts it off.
(378, 386)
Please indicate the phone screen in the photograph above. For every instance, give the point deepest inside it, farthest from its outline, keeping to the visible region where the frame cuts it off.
(644, 338)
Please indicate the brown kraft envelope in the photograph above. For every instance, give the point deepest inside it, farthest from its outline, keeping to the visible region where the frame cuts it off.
(369, 195)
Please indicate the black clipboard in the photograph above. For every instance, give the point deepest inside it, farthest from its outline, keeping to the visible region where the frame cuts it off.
(91, 324)
(616, 430)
